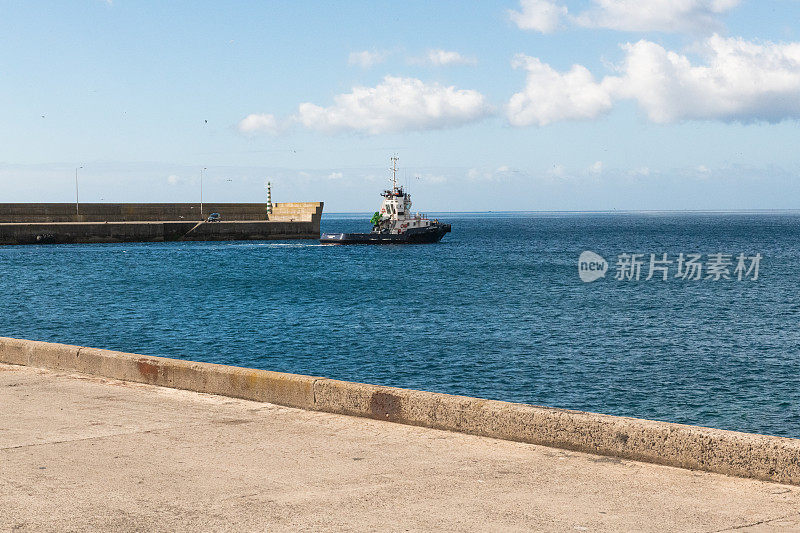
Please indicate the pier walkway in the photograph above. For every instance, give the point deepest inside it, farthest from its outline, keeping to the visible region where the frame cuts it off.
(79, 452)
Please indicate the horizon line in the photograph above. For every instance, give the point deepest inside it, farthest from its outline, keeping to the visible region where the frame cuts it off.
(600, 211)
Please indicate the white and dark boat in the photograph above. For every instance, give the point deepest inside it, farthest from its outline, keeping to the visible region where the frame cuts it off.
(394, 223)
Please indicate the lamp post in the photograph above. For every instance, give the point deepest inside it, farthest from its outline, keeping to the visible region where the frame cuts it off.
(77, 203)
(201, 191)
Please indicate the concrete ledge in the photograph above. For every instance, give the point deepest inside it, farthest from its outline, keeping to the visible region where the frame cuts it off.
(291, 390)
(39, 354)
(249, 384)
(698, 448)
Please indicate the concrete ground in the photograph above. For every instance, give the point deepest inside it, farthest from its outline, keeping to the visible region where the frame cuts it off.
(80, 452)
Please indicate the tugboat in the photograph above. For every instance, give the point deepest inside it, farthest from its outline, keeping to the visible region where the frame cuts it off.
(394, 224)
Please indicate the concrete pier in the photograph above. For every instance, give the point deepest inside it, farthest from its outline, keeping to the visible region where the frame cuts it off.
(104, 223)
(82, 452)
(110, 212)
(726, 452)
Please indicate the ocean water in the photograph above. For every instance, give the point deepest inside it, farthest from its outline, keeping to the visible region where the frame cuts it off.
(496, 310)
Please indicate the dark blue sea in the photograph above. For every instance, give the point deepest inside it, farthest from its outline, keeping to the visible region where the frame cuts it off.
(496, 310)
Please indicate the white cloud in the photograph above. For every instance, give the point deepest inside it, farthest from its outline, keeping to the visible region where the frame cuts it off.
(669, 16)
(335, 176)
(433, 178)
(741, 81)
(259, 123)
(656, 15)
(596, 167)
(172, 179)
(396, 104)
(367, 58)
(550, 96)
(443, 58)
(503, 173)
(538, 15)
(428, 179)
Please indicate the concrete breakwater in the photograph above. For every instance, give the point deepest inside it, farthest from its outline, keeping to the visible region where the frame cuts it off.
(698, 448)
(90, 223)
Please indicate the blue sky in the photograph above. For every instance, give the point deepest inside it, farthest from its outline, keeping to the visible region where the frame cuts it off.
(532, 105)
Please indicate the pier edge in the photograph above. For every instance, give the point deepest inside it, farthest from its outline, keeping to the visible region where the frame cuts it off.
(733, 453)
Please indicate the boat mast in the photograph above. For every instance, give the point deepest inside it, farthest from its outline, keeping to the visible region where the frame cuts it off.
(394, 172)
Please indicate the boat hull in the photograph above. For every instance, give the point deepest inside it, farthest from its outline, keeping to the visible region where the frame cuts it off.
(427, 235)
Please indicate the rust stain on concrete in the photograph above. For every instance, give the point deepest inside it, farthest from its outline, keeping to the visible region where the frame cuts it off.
(148, 370)
(385, 406)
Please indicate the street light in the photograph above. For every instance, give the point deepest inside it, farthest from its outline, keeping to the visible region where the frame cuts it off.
(77, 208)
(201, 191)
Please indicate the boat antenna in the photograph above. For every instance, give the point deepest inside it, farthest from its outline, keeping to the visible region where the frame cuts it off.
(394, 171)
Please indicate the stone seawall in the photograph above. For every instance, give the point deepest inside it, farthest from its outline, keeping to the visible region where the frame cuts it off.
(697, 448)
(106, 223)
(44, 212)
(109, 232)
